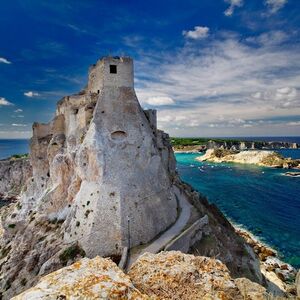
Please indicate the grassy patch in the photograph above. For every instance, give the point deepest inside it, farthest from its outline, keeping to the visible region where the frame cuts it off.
(71, 253)
(16, 156)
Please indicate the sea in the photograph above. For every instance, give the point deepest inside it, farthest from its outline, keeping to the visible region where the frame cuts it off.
(260, 200)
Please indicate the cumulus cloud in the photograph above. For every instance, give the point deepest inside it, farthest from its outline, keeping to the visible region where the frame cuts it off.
(275, 5)
(4, 102)
(198, 33)
(232, 5)
(31, 94)
(280, 97)
(161, 100)
(4, 61)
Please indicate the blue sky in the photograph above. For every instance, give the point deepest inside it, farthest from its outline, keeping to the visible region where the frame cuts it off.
(210, 67)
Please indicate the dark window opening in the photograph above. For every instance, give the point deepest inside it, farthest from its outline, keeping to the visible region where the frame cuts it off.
(113, 69)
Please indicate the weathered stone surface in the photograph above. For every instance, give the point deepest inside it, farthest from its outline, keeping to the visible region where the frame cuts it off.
(98, 278)
(13, 176)
(250, 290)
(174, 275)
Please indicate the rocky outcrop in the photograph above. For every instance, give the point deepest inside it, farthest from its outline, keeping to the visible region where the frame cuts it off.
(260, 158)
(174, 275)
(13, 176)
(280, 276)
(97, 278)
(103, 179)
(167, 275)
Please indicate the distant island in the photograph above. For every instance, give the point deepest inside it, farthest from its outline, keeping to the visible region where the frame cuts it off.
(256, 157)
(199, 144)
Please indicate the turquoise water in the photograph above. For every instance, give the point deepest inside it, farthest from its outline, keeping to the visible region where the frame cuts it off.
(262, 200)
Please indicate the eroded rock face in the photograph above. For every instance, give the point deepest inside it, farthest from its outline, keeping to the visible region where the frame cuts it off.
(97, 278)
(13, 176)
(174, 275)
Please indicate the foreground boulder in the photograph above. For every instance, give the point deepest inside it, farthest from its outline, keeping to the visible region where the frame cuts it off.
(167, 275)
(97, 278)
(174, 275)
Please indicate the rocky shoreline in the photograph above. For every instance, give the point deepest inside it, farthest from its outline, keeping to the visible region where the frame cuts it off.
(256, 157)
(275, 270)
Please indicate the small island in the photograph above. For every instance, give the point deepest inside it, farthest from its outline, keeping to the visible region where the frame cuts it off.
(256, 157)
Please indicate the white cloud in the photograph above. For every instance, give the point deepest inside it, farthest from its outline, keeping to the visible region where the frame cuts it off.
(4, 102)
(275, 5)
(18, 110)
(232, 5)
(223, 82)
(198, 33)
(4, 61)
(280, 97)
(13, 134)
(271, 38)
(297, 123)
(19, 125)
(31, 94)
(161, 100)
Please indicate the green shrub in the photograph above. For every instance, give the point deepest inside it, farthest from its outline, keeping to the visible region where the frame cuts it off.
(11, 226)
(71, 253)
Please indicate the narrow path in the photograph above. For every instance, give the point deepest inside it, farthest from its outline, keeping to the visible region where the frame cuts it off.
(171, 233)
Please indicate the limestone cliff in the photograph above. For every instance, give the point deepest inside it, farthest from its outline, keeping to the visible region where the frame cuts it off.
(103, 179)
(13, 176)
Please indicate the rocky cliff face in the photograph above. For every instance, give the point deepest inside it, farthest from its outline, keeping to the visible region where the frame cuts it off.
(103, 178)
(13, 176)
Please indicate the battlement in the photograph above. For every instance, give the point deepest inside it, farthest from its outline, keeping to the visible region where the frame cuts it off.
(111, 72)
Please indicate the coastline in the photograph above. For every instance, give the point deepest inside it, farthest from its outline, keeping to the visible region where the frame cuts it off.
(276, 271)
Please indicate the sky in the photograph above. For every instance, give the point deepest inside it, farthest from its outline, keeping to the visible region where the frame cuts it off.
(210, 67)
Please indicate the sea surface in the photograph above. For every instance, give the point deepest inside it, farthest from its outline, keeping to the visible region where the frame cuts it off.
(11, 147)
(261, 200)
(258, 199)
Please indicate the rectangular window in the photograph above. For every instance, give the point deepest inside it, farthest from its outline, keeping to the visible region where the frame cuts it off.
(113, 69)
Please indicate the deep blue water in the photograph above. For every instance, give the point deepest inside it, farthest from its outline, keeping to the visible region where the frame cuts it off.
(11, 147)
(259, 199)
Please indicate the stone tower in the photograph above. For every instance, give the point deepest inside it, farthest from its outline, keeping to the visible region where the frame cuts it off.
(125, 197)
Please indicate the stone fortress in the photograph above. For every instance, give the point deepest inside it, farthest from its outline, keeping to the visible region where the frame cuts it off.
(104, 179)
(121, 175)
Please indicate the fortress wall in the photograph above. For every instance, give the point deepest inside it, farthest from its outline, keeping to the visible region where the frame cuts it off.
(100, 75)
(58, 125)
(41, 130)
